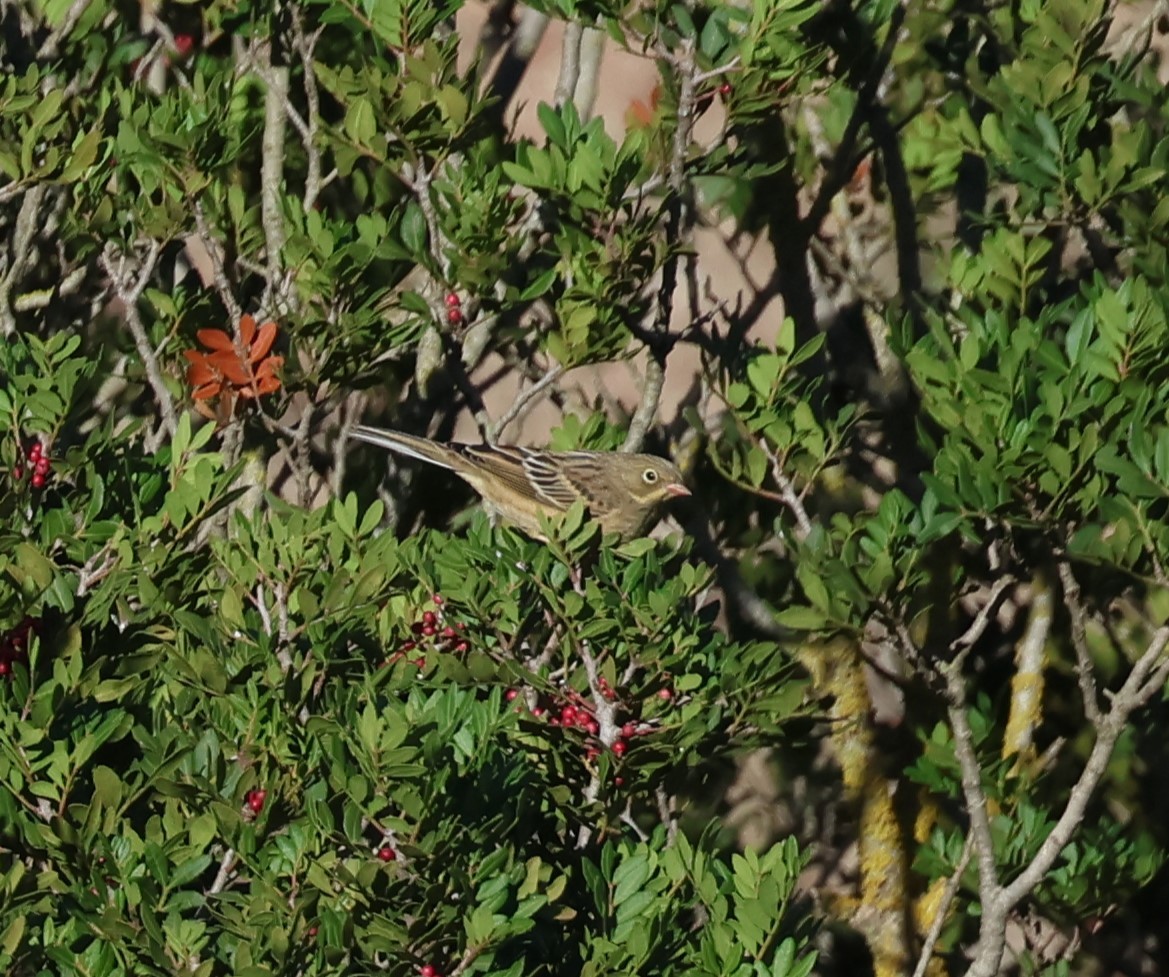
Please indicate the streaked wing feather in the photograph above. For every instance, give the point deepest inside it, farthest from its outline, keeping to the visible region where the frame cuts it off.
(516, 468)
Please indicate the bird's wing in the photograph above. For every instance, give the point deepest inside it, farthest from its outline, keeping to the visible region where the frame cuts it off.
(531, 473)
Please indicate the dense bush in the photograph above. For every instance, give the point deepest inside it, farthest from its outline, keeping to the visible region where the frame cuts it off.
(885, 695)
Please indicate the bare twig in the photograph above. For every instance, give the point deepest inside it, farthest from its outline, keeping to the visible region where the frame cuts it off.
(1085, 674)
(129, 290)
(271, 188)
(49, 49)
(1144, 681)
(218, 272)
(943, 907)
(569, 63)
(677, 217)
(524, 400)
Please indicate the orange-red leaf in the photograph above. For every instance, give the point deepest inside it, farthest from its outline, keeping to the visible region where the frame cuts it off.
(215, 339)
(247, 329)
(228, 363)
(263, 342)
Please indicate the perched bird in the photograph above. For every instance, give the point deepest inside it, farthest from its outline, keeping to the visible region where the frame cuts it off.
(623, 492)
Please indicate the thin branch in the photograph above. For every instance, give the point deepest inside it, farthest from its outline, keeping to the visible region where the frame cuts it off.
(271, 186)
(953, 884)
(1085, 674)
(524, 400)
(969, 638)
(130, 292)
(971, 775)
(592, 48)
(677, 218)
(218, 272)
(569, 63)
(51, 46)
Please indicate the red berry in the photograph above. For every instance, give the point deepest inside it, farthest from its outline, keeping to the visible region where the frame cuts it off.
(5, 668)
(592, 753)
(511, 695)
(437, 598)
(429, 618)
(725, 88)
(592, 728)
(538, 711)
(665, 694)
(452, 300)
(38, 480)
(34, 452)
(183, 44)
(454, 317)
(42, 466)
(386, 853)
(17, 472)
(427, 970)
(312, 932)
(449, 632)
(568, 714)
(628, 730)
(462, 647)
(620, 747)
(619, 781)
(553, 721)
(255, 800)
(429, 630)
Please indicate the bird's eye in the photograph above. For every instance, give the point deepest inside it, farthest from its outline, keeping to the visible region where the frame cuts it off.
(649, 476)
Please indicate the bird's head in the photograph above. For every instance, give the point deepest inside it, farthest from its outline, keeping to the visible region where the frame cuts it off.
(652, 480)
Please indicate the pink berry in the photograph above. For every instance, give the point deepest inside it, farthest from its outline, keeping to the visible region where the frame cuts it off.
(449, 632)
(665, 694)
(511, 695)
(462, 647)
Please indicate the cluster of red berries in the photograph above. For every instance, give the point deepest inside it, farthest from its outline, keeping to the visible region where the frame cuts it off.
(255, 800)
(39, 465)
(14, 645)
(433, 631)
(576, 715)
(454, 309)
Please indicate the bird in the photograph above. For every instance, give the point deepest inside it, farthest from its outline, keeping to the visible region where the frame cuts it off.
(623, 492)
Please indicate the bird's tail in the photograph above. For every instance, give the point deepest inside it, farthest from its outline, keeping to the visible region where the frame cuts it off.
(410, 445)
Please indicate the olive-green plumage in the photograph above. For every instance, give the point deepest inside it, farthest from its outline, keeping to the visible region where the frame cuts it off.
(623, 492)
